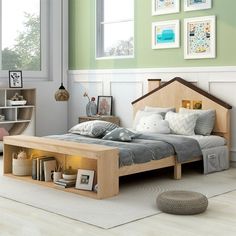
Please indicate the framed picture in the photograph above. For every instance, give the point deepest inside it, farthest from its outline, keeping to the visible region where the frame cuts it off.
(160, 7)
(84, 179)
(193, 5)
(199, 37)
(15, 79)
(165, 34)
(104, 105)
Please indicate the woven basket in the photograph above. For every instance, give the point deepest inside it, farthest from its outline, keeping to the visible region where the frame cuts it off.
(21, 167)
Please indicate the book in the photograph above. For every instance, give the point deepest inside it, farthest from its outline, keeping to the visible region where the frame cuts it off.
(49, 168)
(37, 166)
(64, 185)
(41, 167)
(34, 168)
(67, 181)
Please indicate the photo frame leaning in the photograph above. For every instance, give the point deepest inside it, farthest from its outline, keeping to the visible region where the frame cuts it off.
(84, 179)
(200, 37)
(15, 79)
(104, 105)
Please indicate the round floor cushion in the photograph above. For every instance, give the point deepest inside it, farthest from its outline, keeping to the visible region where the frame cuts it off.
(182, 202)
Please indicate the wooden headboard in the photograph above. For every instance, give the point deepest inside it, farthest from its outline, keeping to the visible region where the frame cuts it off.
(177, 90)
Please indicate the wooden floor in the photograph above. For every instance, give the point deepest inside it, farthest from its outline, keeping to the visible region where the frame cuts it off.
(220, 219)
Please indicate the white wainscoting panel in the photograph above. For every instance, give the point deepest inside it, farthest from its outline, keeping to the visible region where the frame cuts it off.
(126, 85)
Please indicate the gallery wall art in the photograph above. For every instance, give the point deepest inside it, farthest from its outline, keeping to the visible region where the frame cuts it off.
(193, 5)
(160, 7)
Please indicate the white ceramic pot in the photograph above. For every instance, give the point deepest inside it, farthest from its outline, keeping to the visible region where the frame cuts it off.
(22, 167)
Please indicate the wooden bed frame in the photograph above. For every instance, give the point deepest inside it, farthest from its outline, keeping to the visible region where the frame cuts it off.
(104, 160)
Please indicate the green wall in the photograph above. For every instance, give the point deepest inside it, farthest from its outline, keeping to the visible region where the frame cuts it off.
(82, 37)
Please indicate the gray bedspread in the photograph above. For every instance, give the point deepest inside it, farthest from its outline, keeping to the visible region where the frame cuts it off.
(144, 148)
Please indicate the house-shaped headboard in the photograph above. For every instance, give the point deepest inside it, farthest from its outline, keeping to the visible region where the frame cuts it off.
(178, 93)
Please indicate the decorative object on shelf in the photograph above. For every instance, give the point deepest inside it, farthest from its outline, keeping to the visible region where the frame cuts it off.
(57, 174)
(69, 174)
(15, 79)
(199, 37)
(165, 34)
(21, 164)
(91, 107)
(2, 117)
(16, 100)
(193, 5)
(104, 105)
(62, 94)
(84, 179)
(160, 7)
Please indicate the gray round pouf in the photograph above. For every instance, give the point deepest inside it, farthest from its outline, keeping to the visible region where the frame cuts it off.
(182, 202)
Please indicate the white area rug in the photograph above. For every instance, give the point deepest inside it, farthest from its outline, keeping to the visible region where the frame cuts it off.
(137, 199)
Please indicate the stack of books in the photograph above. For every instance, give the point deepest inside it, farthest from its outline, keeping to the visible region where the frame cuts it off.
(64, 183)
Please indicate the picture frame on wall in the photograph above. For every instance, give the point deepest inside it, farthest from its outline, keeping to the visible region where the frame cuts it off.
(200, 37)
(84, 179)
(15, 79)
(104, 106)
(161, 7)
(194, 5)
(165, 34)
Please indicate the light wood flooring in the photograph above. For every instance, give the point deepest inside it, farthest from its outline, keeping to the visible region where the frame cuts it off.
(220, 219)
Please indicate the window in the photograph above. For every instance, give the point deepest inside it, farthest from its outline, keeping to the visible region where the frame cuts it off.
(115, 28)
(23, 36)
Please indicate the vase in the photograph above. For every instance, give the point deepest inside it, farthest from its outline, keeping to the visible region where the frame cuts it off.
(91, 108)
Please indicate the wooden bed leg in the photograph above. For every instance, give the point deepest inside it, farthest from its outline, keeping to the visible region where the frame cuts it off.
(177, 171)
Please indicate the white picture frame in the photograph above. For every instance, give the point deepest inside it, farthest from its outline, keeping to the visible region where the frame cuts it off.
(84, 179)
(166, 34)
(200, 37)
(161, 7)
(15, 79)
(194, 5)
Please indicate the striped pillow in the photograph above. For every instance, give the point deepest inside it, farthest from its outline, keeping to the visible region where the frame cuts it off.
(205, 122)
(95, 128)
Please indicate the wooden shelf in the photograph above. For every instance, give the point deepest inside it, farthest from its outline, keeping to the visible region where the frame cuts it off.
(14, 121)
(52, 185)
(9, 107)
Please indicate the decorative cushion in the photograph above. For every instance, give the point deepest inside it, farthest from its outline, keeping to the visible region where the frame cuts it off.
(182, 202)
(141, 113)
(205, 122)
(120, 134)
(95, 128)
(3, 132)
(153, 123)
(159, 109)
(183, 124)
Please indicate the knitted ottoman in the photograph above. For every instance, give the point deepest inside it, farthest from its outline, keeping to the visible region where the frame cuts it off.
(182, 202)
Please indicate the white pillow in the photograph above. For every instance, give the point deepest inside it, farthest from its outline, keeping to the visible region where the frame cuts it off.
(205, 122)
(141, 113)
(181, 123)
(153, 123)
(159, 109)
(95, 128)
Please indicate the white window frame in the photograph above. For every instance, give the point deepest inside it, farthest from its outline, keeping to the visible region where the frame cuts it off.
(99, 41)
(45, 20)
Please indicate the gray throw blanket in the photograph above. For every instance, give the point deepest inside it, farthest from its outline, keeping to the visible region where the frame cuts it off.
(144, 148)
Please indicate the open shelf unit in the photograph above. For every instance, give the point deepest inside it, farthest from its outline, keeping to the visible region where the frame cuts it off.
(18, 118)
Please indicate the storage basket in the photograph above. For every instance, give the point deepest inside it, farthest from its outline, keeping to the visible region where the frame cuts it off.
(21, 167)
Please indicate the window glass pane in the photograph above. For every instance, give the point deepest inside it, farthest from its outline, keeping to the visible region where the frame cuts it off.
(115, 10)
(21, 47)
(118, 39)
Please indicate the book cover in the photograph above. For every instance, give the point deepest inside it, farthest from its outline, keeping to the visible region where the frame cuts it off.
(41, 167)
(49, 168)
(34, 168)
(37, 166)
(65, 185)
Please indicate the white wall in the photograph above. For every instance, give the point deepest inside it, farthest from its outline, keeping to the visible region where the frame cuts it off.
(129, 84)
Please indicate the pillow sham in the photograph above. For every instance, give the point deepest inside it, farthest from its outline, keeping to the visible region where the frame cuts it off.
(205, 122)
(159, 109)
(153, 123)
(120, 134)
(141, 113)
(95, 128)
(183, 124)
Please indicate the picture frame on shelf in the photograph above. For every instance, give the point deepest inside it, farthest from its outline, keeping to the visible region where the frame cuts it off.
(104, 105)
(161, 7)
(194, 5)
(15, 79)
(200, 37)
(165, 34)
(84, 179)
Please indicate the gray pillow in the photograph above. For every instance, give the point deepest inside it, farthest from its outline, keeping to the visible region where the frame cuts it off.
(95, 128)
(120, 134)
(205, 122)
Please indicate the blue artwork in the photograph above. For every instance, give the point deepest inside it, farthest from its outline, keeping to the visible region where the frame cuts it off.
(166, 36)
(193, 2)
